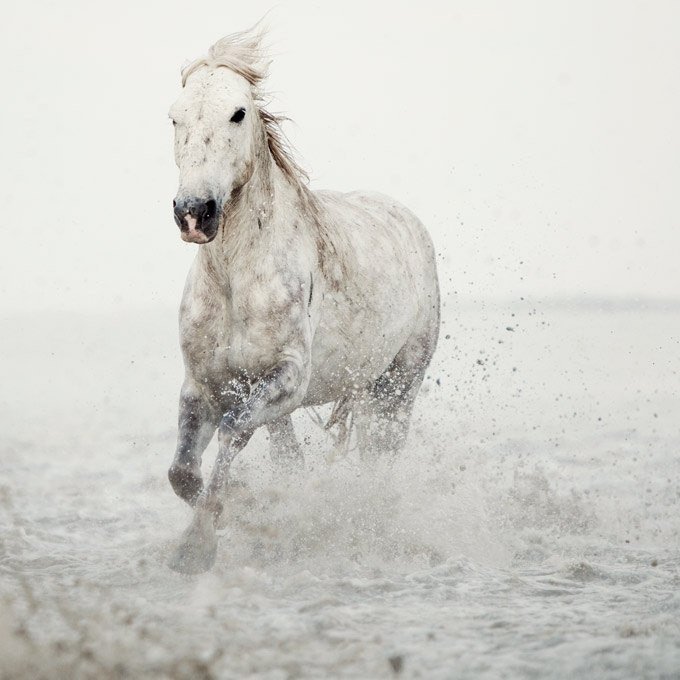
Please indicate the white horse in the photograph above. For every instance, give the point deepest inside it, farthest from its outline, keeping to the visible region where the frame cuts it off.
(295, 298)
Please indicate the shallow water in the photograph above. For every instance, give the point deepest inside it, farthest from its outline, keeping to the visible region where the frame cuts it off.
(531, 528)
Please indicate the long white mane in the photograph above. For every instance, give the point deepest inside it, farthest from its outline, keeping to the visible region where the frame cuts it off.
(245, 54)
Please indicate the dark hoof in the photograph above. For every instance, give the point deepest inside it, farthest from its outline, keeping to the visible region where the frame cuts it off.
(186, 482)
(197, 548)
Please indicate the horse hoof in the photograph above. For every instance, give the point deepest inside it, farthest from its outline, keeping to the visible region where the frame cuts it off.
(197, 549)
(186, 482)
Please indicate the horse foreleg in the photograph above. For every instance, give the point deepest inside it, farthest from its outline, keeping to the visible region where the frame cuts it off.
(196, 426)
(198, 545)
(274, 396)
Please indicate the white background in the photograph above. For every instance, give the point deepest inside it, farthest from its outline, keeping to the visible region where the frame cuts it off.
(539, 141)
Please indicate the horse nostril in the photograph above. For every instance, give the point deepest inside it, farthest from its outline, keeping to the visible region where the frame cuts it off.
(174, 204)
(210, 209)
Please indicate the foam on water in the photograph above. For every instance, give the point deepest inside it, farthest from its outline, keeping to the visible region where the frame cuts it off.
(531, 528)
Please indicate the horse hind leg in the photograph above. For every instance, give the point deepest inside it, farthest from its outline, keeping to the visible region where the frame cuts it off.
(383, 420)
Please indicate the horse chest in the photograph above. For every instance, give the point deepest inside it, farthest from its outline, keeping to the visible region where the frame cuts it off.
(240, 336)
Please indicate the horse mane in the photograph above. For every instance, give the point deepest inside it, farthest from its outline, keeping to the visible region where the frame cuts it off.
(244, 53)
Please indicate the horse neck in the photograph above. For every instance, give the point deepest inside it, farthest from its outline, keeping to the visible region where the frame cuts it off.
(267, 206)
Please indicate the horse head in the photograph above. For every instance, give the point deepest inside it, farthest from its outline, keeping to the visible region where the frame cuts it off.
(218, 131)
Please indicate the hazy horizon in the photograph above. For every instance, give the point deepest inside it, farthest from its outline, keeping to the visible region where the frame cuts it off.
(539, 143)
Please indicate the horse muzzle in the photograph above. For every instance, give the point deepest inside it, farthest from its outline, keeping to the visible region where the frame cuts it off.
(197, 219)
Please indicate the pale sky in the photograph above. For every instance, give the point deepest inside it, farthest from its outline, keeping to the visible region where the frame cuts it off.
(539, 141)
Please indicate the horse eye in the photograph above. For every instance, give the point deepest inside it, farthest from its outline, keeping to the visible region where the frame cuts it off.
(238, 116)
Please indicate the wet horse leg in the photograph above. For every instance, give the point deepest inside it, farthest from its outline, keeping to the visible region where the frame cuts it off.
(196, 426)
(385, 418)
(285, 451)
(198, 544)
(274, 396)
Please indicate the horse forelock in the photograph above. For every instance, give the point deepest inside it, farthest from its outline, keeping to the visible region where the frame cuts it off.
(241, 52)
(244, 54)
